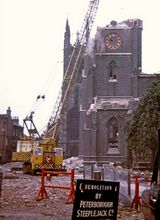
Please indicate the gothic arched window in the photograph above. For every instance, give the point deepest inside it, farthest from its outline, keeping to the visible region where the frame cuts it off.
(112, 70)
(113, 133)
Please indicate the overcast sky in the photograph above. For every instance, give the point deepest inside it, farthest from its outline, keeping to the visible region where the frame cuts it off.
(31, 47)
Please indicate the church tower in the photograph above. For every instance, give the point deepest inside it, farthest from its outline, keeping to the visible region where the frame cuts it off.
(69, 132)
(110, 91)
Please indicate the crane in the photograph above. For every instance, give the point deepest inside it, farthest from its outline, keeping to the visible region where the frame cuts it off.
(71, 71)
(44, 151)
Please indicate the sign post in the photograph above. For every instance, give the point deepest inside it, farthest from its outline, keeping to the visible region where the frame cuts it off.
(96, 200)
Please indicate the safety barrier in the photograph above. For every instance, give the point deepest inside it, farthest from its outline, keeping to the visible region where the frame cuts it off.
(136, 199)
(43, 193)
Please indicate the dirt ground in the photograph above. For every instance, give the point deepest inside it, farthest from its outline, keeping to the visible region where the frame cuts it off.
(19, 193)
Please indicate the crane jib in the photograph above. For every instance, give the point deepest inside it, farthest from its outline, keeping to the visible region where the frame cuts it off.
(72, 70)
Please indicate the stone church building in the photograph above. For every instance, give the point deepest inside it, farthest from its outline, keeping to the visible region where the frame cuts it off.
(108, 88)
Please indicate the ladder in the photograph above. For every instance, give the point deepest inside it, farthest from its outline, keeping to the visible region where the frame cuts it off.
(72, 71)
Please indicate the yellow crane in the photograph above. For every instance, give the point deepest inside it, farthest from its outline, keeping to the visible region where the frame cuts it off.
(44, 152)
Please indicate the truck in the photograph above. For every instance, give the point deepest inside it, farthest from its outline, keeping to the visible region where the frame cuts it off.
(38, 153)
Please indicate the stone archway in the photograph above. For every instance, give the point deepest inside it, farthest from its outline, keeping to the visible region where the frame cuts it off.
(112, 136)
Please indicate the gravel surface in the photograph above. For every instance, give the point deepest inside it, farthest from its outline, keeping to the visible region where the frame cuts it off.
(19, 193)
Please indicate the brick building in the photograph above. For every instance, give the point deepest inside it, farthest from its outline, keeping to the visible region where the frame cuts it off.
(10, 131)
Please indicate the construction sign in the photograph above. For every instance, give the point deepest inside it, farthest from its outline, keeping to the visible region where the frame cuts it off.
(96, 200)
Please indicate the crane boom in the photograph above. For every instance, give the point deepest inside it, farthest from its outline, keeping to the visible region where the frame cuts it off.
(72, 70)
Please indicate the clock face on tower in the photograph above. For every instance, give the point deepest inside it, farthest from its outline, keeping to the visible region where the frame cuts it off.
(113, 41)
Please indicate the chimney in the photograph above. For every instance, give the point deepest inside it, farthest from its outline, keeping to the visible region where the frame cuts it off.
(9, 111)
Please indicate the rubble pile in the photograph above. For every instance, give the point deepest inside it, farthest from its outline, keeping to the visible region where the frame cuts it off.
(73, 163)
